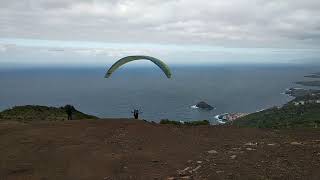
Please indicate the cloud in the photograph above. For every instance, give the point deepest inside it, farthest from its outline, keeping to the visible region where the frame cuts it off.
(233, 23)
(2, 48)
(114, 53)
(6, 47)
(98, 32)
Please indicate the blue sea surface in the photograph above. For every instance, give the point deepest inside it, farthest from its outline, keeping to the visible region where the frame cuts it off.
(246, 88)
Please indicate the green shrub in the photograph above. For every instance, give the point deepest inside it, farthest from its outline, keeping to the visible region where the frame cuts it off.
(191, 123)
(167, 121)
(197, 123)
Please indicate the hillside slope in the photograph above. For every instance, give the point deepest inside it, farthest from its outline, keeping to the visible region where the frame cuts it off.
(301, 112)
(36, 113)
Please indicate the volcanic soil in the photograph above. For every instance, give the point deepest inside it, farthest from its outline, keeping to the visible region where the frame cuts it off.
(130, 149)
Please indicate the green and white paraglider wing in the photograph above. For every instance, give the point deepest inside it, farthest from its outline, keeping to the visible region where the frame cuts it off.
(127, 59)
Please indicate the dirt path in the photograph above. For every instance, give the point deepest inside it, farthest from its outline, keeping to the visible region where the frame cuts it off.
(127, 149)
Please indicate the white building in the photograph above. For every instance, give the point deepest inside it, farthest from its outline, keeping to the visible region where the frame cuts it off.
(299, 103)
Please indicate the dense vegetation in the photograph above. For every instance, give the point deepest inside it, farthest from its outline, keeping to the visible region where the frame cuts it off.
(291, 115)
(31, 113)
(191, 123)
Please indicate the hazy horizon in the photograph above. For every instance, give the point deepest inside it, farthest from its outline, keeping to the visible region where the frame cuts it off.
(42, 53)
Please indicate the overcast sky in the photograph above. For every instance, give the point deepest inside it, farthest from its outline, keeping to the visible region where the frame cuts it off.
(216, 30)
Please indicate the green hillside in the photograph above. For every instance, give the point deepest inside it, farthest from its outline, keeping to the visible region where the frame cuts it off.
(301, 112)
(35, 113)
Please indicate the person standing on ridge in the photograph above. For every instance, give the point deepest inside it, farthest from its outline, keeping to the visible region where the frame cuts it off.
(69, 110)
(136, 113)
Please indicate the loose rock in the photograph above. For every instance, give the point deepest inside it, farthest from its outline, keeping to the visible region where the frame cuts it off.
(184, 171)
(186, 177)
(296, 143)
(251, 144)
(233, 156)
(196, 169)
(212, 152)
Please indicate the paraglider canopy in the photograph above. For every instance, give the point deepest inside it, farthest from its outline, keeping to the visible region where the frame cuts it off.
(127, 59)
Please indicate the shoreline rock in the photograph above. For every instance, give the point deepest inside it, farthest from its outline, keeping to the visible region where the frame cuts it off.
(204, 105)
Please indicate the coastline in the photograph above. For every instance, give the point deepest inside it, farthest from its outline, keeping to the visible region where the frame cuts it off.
(229, 117)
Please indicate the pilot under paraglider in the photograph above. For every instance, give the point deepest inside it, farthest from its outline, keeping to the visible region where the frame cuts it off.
(164, 67)
(136, 113)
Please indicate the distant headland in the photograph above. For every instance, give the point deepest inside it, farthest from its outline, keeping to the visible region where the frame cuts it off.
(42, 113)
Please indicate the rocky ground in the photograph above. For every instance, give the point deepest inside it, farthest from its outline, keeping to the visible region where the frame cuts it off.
(128, 149)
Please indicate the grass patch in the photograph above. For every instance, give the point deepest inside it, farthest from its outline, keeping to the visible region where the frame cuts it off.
(191, 123)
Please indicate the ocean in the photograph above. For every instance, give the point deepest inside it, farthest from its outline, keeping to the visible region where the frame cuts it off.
(230, 88)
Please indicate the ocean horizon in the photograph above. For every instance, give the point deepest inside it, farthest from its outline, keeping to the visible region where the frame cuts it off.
(230, 88)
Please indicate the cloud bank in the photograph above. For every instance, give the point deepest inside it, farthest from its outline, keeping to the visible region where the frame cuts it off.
(96, 32)
(233, 23)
